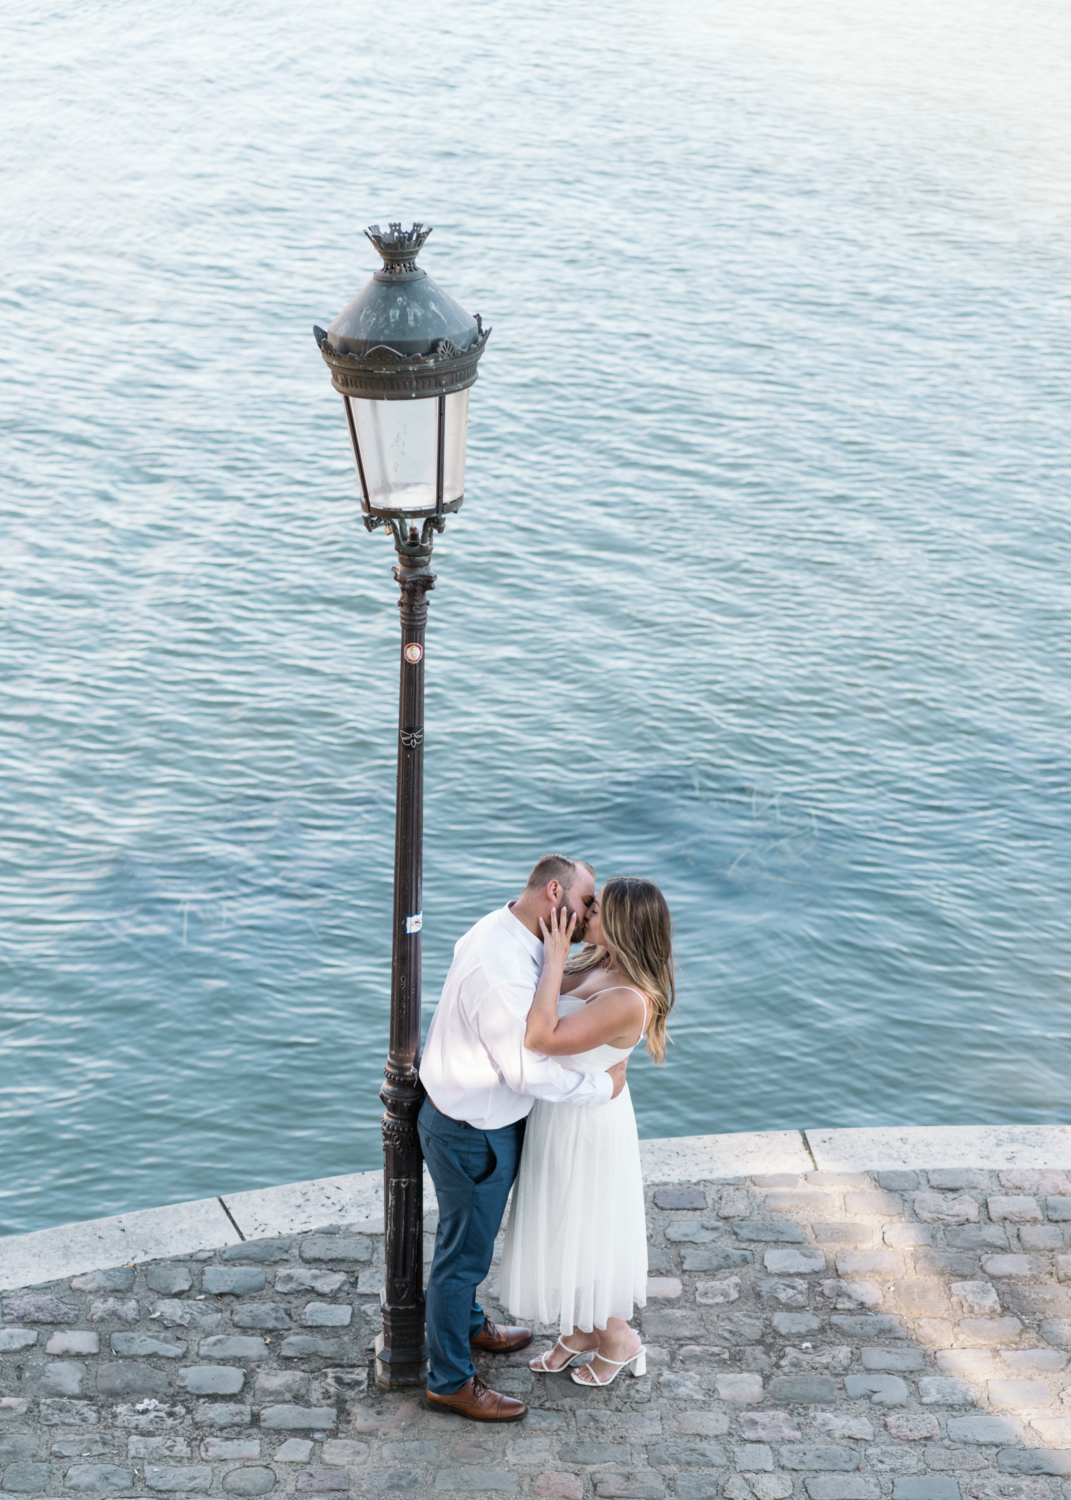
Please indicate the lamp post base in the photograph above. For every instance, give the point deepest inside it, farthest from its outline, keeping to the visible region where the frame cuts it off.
(398, 1367)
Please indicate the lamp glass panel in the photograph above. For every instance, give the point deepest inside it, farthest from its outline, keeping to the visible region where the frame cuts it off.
(399, 451)
(456, 434)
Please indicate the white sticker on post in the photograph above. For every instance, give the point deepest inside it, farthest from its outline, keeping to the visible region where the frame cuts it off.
(414, 924)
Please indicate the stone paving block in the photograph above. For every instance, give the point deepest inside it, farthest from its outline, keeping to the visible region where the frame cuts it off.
(254, 1481)
(328, 1247)
(232, 1346)
(790, 1259)
(680, 1198)
(1032, 1180)
(830, 1456)
(906, 1236)
(302, 1279)
(1041, 1237)
(80, 1447)
(844, 1234)
(1058, 1209)
(298, 1417)
(935, 1208)
(595, 1453)
(913, 1427)
(754, 1457)
(742, 1389)
(173, 1478)
(1049, 1360)
(58, 1412)
(717, 1258)
(875, 1202)
(25, 1478)
(985, 1429)
(977, 1237)
(1056, 1431)
(426, 1453)
(805, 1200)
(927, 1487)
(306, 1346)
(330, 1314)
(1038, 1301)
(159, 1446)
(275, 1385)
(299, 1451)
(38, 1307)
(1009, 1265)
(1035, 1460)
(763, 1231)
(665, 1288)
(842, 1487)
(109, 1307)
(883, 1390)
(323, 1481)
(837, 1426)
(769, 1427)
(224, 1414)
(259, 1251)
(978, 1298)
(707, 1487)
(679, 1455)
(268, 1315)
(974, 1363)
(885, 1263)
(691, 1232)
(13, 1408)
(62, 1378)
(393, 1479)
(73, 1341)
(809, 1390)
(235, 1448)
(947, 1390)
(735, 1204)
(476, 1481)
(646, 1486)
(697, 1423)
(869, 1326)
(14, 1339)
(898, 1181)
(167, 1280)
(95, 1478)
(680, 1385)
(553, 1486)
(892, 1359)
(1004, 1487)
(955, 1179)
(16, 1447)
(1057, 1331)
(717, 1293)
(1017, 1393)
(1015, 1210)
(337, 1451)
(118, 1279)
(989, 1330)
(145, 1345)
(783, 1291)
(237, 1281)
(792, 1324)
(211, 1380)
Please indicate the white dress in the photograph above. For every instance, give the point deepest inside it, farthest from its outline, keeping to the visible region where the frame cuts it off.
(576, 1241)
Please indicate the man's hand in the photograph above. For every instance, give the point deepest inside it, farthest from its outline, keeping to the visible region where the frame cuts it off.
(617, 1073)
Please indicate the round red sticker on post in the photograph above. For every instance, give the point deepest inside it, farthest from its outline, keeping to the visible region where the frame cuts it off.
(413, 653)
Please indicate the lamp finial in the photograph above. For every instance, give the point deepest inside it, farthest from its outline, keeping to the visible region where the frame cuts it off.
(399, 247)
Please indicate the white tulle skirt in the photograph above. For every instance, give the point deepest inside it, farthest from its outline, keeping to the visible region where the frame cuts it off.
(576, 1241)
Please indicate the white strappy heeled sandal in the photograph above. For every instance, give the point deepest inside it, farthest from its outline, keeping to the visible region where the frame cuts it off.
(540, 1362)
(637, 1365)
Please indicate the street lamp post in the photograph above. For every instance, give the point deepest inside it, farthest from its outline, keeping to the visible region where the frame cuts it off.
(403, 355)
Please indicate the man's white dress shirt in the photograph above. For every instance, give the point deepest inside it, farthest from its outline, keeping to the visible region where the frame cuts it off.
(475, 1065)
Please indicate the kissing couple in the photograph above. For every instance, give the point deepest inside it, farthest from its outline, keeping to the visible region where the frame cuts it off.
(524, 1070)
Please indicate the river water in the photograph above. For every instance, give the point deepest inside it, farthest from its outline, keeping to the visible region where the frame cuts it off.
(761, 586)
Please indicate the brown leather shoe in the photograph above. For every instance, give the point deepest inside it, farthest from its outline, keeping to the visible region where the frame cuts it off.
(500, 1338)
(478, 1402)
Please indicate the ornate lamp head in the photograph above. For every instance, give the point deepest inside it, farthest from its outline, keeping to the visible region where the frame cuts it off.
(400, 343)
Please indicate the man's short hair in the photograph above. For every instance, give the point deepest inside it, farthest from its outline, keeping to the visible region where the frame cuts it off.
(557, 867)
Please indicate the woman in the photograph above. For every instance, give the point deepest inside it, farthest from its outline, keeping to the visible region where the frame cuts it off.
(576, 1243)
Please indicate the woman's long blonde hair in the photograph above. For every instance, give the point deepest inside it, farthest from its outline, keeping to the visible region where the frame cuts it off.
(637, 924)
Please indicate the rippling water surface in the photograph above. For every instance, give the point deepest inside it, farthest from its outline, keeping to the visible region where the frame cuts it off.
(761, 587)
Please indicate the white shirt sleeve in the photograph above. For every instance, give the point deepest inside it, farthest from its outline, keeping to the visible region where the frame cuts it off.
(501, 1024)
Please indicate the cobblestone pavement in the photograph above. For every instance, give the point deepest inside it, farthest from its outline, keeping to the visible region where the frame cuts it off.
(891, 1336)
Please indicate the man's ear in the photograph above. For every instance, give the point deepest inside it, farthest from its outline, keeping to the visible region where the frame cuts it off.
(554, 891)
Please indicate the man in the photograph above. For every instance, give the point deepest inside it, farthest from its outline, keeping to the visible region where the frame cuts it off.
(481, 1083)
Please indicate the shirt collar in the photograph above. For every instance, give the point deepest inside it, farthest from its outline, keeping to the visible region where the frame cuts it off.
(517, 930)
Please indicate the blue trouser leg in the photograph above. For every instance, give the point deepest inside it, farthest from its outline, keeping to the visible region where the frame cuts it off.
(473, 1171)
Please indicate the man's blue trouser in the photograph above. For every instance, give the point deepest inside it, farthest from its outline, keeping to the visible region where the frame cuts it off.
(473, 1171)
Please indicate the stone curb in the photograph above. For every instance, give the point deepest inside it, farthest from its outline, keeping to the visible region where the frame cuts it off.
(181, 1229)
